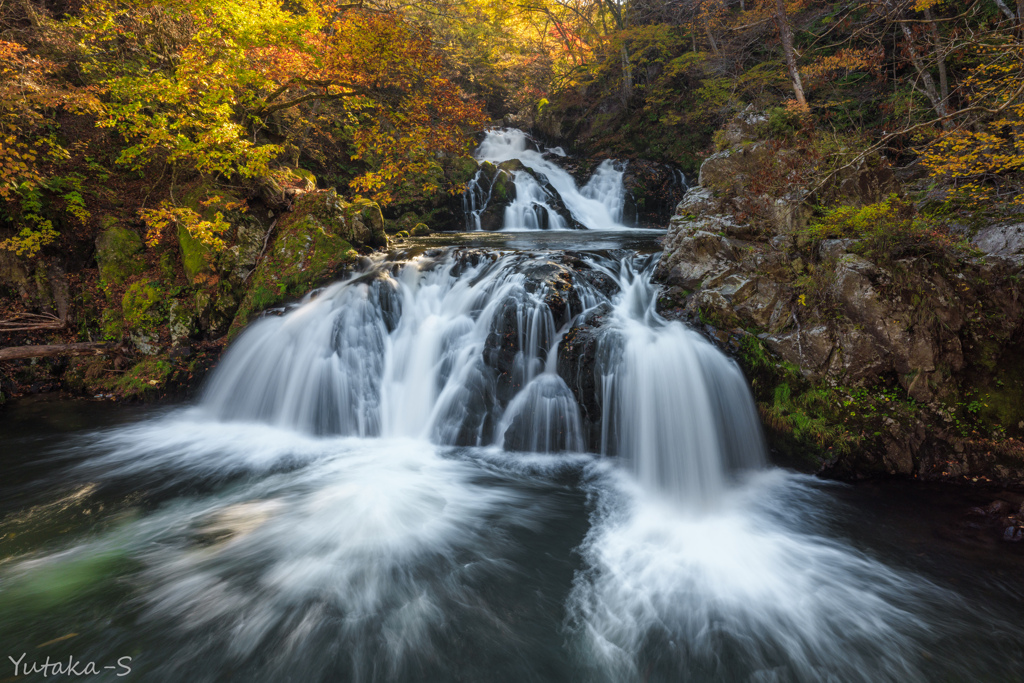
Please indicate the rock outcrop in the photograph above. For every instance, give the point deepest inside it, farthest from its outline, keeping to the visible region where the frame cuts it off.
(937, 332)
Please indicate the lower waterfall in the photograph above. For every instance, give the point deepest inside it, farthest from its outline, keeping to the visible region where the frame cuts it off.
(471, 465)
(461, 349)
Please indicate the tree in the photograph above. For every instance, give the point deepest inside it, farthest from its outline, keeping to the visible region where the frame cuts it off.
(30, 151)
(786, 37)
(193, 83)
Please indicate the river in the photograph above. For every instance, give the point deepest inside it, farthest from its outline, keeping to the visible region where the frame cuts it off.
(406, 477)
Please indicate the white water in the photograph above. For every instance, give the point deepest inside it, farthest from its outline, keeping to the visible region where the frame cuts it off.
(313, 518)
(597, 206)
(674, 406)
(410, 351)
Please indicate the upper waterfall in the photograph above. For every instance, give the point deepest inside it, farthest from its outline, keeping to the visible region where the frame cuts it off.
(541, 185)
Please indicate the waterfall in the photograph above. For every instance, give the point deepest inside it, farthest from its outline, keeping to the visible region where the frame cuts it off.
(597, 206)
(462, 348)
(677, 409)
(384, 482)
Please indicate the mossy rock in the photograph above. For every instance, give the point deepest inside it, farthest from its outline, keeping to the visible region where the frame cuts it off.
(488, 170)
(462, 169)
(111, 323)
(310, 248)
(403, 234)
(196, 257)
(503, 191)
(118, 252)
(146, 377)
(181, 320)
(367, 213)
(307, 177)
(420, 230)
(512, 166)
(142, 306)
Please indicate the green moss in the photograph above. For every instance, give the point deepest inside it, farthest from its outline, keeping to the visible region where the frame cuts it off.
(504, 187)
(462, 169)
(307, 252)
(111, 324)
(368, 212)
(118, 253)
(142, 306)
(306, 176)
(419, 230)
(195, 256)
(149, 375)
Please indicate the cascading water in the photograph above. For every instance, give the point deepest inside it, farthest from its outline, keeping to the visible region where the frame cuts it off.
(462, 349)
(387, 482)
(543, 186)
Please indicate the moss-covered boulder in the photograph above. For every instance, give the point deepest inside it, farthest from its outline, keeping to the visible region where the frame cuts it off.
(460, 170)
(118, 253)
(216, 307)
(363, 221)
(181, 321)
(244, 239)
(419, 230)
(314, 244)
(196, 257)
(142, 306)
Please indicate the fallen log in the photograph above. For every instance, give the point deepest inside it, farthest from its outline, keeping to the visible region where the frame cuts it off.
(47, 350)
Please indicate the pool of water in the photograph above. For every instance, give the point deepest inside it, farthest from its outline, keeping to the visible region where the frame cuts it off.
(212, 551)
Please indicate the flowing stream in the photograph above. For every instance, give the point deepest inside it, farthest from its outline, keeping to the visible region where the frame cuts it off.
(472, 464)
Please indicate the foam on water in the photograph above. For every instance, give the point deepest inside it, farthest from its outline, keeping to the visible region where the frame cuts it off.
(746, 594)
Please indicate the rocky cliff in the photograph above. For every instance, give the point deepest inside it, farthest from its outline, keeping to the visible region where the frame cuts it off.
(868, 354)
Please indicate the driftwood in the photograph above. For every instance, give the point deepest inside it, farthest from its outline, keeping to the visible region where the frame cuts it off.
(47, 350)
(29, 322)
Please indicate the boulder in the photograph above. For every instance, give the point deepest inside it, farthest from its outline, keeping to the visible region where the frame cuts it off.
(118, 252)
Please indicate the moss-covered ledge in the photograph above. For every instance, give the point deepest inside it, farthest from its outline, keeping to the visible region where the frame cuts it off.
(318, 241)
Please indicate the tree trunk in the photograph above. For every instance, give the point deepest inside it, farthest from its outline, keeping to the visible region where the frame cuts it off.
(940, 58)
(786, 35)
(47, 350)
(627, 76)
(926, 78)
(1007, 11)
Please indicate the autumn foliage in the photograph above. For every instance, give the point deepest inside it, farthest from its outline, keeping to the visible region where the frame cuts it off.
(224, 89)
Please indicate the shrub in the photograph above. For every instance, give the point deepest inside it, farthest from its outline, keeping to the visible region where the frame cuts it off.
(888, 230)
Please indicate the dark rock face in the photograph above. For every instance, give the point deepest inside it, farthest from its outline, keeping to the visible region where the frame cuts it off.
(584, 350)
(943, 330)
(516, 346)
(652, 190)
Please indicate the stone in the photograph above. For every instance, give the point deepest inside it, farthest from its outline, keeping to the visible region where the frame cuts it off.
(1000, 240)
(118, 252)
(181, 321)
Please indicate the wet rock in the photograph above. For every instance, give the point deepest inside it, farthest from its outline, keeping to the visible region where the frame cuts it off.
(585, 350)
(181, 322)
(653, 191)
